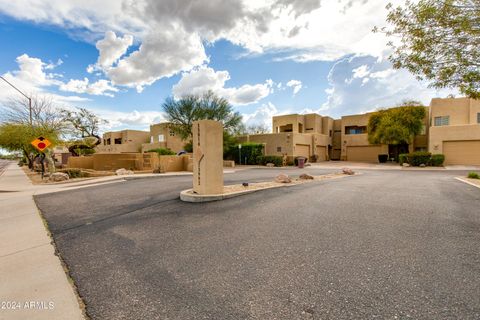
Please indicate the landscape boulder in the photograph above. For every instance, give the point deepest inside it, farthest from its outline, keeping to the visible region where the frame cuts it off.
(59, 176)
(123, 172)
(406, 164)
(422, 165)
(348, 171)
(270, 165)
(283, 178)
(305, 176)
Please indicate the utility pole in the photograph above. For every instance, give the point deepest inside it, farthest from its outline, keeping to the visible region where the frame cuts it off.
(23, 94)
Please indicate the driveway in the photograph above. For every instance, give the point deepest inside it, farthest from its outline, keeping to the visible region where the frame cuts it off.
(385, 244)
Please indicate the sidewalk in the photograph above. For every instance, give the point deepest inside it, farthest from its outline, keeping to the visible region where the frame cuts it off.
(33, 282)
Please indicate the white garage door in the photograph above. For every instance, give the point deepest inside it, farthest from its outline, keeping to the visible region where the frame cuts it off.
(462, 152)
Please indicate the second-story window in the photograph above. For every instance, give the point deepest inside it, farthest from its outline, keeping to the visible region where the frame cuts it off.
(355, 129)
(442, 121)
(118, 141)
(478, 118)
(161, 138)
(171, 133)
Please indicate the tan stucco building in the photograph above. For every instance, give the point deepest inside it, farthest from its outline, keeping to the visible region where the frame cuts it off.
(455, 130)
(451, 127)
(123, 141)
(308, 135)
(162, 136)
(127, 141)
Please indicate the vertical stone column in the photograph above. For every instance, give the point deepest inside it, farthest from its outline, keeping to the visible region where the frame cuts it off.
(207, 157)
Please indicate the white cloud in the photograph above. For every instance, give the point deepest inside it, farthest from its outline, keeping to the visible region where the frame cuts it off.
(374, 84)
(139, 120)
(261, 116)
(110, 49)
(171, 33)
(296, 85)
(33, 78)
(100, 87)
(162, 54)
(205, 78)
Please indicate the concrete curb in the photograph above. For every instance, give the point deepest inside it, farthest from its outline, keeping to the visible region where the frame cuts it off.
(189, 196)
(467, 182)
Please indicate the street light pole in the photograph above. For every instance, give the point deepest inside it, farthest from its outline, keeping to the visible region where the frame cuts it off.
(23, 94)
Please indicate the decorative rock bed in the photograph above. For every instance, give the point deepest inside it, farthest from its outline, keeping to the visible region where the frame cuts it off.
(236, 190)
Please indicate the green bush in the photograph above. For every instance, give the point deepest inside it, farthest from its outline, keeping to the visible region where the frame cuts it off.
(437, 160)
(251, 151)
(419, 157)
(473, 175)
(163, 151)
(403, 158)
(276, 160)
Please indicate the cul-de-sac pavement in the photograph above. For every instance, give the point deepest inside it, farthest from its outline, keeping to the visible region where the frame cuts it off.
(386, 244)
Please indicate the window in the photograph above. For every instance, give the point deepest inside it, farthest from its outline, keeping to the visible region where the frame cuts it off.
(442, 121)
(151, 139)
(108, 141)
(118, 141)
(478, 117)
(171, 133)
(330, 133)
(279, 149)
(355, 130)
(161, 138)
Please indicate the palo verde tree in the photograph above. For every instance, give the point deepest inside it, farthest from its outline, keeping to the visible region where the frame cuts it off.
(438, 41)
(84, 127)
(182, 112)
(18, 137)
(397, 125)
(16, 130)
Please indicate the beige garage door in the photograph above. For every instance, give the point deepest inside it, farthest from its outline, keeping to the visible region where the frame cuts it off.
(462, 152)
(321, 153)
(363, 154)
(302, 150)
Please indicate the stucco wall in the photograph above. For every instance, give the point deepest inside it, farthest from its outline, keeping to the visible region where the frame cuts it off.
(80, 162)
(451, 133)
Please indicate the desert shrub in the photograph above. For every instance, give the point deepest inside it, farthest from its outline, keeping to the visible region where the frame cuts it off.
(74, 173)
(403, 158)
(419, 157)
(276, 160)
(473, 175)
(250, 152)
(295, 161)
(437, 160)
(163, 151)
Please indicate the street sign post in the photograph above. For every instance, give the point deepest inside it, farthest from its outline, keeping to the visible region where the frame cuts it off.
(41, 143)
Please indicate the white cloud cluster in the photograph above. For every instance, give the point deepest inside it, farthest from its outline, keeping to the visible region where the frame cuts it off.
(171, 33)
(100, 87)
(139, 120)
(364, 83)
(110, 49)
(296, 85)
(204, 78)
(262, 116)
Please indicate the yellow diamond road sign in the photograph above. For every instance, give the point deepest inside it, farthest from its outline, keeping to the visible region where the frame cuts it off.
(41, 143)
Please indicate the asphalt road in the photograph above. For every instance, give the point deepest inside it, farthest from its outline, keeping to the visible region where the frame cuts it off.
(382, 245)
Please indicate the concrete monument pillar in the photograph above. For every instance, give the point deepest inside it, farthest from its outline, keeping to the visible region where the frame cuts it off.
(207, 157)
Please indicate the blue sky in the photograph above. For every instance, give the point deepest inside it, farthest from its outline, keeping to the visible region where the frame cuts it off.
(122, 59)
